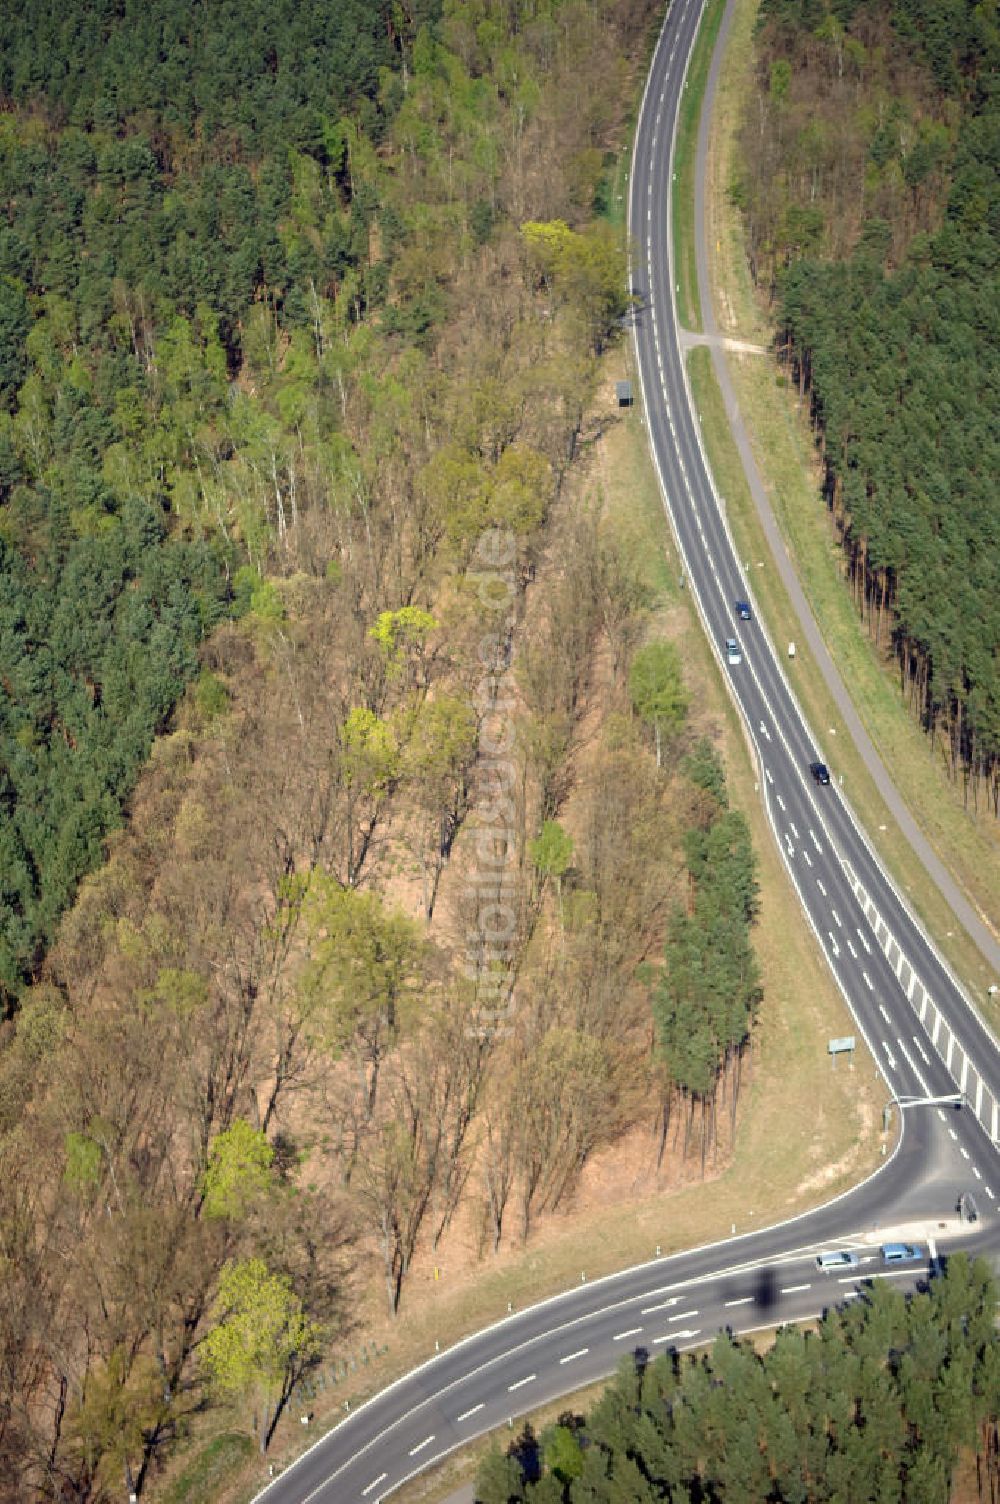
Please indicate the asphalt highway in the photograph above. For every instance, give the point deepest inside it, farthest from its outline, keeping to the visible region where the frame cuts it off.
(923, 1033)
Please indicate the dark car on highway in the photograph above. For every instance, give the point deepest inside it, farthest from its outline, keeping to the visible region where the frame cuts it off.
(743, 610)
(820, 772)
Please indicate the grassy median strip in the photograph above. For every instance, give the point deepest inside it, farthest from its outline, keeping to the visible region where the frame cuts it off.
(685, 160)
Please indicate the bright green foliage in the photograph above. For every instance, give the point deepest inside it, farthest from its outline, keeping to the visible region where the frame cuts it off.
(369, 751)
(552, 850)
(657, 690)
(364, 967)
(260, 1339)
(562, 1453)
(865, 1409)
(440, 743)
(584, 267)
(403, 633)
(238, 1171)
(83, 1162)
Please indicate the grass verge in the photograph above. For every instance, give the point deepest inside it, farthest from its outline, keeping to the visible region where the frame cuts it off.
(685, 155)
(209, 1469)
(785, 455)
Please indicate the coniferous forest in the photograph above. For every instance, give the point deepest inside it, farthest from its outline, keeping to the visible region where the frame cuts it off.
(871, 194)
(876, 1404)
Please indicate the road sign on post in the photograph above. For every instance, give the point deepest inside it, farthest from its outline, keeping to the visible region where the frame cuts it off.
(844, 1046)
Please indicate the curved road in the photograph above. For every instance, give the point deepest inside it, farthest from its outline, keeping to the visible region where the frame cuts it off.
(923, 1033)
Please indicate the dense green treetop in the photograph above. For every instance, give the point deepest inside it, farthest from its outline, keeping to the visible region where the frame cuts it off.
(269, 74)
(876, 1405)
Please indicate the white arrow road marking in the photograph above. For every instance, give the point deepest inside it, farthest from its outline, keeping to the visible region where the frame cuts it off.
(926, 1059)
(767, 775)
(466, 1413)
(572, 1357)
(521, 1382)
(780, 800)
(884, 1012)
(976, 1173)
(963, 1151)
(820, 886)
(419, 1448)
(836, 919)
(374, 1483)
(868, 981)
(864, 942)
(744, 1300)
(808, 858)
(988, 1192)
(953, 1135)
(793, 1289)
(673, 1301)
(632, 1332)
(812, 837)
(891, 1056)
(793, 830)
(835, 947)
(683, 1316)
(853, 952)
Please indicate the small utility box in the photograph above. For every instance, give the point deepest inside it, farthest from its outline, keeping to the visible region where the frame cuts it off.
(623, 390)
(843, 1046)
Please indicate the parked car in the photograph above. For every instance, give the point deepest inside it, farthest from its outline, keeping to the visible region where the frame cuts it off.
(967, 1208)
(820, 772)
(743, 610)
(901, 1253)
(733, 654)
(843, 1258)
